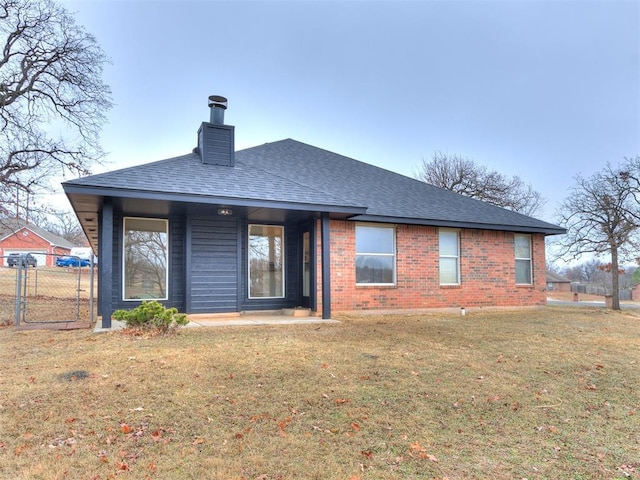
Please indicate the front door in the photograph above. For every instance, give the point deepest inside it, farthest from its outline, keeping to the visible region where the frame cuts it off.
(306, 269)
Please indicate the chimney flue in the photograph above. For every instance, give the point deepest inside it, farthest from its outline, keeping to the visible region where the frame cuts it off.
(218, 105)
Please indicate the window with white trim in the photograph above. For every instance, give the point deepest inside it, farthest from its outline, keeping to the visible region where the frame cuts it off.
(266, 261)
(145, 258)
(375, 255)
(449, 250)
(522, 244)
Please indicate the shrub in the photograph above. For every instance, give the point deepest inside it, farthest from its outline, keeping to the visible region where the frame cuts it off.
(152, 315)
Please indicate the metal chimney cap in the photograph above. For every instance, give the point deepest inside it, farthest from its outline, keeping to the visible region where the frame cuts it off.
(217, 101)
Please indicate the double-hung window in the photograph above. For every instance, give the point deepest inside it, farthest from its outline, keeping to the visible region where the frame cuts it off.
(449, 249)
(523, 258)
(375, 255)
(145, 258)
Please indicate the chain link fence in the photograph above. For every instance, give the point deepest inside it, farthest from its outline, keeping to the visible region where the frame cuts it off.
(591, 289)
(31, 293)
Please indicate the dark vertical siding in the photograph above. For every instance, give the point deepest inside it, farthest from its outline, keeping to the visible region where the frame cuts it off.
(213, 279)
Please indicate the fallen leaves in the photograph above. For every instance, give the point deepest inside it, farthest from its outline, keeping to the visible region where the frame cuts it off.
(415, 449)
(283, 424)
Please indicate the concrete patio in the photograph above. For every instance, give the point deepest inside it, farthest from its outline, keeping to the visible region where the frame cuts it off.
(234, 320)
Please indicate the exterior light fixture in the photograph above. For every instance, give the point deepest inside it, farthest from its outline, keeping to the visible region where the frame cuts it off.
(225, 211)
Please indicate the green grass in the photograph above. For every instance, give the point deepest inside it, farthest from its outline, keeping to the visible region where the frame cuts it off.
(537, 394)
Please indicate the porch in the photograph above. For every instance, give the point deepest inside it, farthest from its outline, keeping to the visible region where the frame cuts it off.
(277, 317)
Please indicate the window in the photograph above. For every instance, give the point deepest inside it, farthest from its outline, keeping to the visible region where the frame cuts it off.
(523, 258)
(375, 255)
(449, 257)
(145, 258)
(266, 261)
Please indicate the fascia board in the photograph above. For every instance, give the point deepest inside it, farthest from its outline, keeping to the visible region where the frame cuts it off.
(455, 224)
(211, 200)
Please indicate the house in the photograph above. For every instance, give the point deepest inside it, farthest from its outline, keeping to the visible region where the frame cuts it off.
(286, 224)
(557, 283)
(17, 236)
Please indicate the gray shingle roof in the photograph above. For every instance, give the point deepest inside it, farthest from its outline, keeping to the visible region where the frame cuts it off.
(187, 175)
(295, 173)
(384, 193)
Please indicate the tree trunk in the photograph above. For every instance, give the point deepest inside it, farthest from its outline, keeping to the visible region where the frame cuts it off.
(615, 283)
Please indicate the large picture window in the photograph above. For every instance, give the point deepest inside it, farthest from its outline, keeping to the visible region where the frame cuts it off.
(145, 258)
(375, 255)
(266, 261)
(449, 248)
(523, 258)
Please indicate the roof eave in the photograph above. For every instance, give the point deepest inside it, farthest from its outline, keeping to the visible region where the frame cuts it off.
(551, 230)
(71, 189)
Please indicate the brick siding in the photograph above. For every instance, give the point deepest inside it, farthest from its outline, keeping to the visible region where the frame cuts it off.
(31, 242)
(487, 271)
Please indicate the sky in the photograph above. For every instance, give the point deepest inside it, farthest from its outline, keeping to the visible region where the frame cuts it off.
(540, 89)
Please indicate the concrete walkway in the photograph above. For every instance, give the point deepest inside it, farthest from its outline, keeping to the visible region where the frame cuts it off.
(248, 319)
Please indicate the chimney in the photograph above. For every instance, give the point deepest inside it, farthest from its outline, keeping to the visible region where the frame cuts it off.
(215, 139)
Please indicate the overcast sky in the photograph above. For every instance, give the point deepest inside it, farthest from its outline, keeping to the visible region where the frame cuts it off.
(539, 89)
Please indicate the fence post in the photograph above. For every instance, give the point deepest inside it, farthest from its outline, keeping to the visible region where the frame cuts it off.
(16, 320)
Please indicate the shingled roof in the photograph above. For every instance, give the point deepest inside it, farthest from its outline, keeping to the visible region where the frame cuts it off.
(387, 196)
(295, 175)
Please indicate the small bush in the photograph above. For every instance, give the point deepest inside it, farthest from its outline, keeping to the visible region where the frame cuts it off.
(152, 315)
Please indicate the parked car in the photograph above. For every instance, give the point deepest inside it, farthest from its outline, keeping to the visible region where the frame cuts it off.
(72, 262)
(14, 260)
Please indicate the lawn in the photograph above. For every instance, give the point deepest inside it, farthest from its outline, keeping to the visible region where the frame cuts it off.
(537, 394)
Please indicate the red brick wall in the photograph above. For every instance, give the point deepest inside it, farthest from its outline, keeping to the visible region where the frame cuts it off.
(31, 241)
(487, 270)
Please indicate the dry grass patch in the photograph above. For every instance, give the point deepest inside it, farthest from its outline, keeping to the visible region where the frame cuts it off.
(548, 393)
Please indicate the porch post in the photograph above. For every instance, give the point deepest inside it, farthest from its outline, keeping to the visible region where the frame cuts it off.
(326, 268)
(105, 265)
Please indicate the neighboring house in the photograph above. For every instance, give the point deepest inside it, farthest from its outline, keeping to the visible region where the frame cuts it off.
(17, 236)
(558, 283)
(286, 224)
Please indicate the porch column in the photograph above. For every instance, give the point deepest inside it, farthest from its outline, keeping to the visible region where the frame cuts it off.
(105, 265)
(326, 267)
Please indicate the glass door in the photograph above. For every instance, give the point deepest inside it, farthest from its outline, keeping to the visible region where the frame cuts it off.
(306, 269)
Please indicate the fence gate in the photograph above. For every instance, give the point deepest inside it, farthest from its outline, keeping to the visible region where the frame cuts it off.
(60, 291)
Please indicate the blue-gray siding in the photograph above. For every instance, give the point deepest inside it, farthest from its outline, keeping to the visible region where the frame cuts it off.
(213, 275)
(208, 266)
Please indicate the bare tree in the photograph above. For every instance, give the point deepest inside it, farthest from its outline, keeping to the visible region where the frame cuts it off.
(628, 176)
(64, 224)
(463, 175)
(50, 82)
(600, 215)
